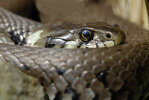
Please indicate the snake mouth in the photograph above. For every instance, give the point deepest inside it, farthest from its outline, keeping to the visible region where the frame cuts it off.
(64, 43)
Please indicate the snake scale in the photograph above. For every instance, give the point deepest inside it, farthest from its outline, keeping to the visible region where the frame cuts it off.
(115, 73)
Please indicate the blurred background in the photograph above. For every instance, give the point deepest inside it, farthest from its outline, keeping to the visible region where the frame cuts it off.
(52, 11)
(136, 11)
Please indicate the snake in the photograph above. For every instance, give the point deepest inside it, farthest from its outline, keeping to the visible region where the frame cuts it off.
(94, 61)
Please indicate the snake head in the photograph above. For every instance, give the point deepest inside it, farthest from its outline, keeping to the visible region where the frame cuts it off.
(94, 35)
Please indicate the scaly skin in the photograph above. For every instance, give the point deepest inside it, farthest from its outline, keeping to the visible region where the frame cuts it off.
(114, 73)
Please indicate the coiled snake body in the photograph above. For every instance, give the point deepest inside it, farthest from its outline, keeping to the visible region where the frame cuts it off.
(114, 73)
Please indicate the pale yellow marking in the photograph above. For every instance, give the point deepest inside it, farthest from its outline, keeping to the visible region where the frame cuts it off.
(109, 43)
(33, 38)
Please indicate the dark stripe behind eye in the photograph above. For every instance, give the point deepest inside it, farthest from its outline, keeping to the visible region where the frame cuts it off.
(103, 43)
(63, 45)
(96, 45)
(79, 44)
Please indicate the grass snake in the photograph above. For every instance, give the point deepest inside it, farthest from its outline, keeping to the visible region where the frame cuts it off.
(115, 73)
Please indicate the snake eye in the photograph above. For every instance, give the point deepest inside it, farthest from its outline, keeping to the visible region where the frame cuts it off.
(86, 35)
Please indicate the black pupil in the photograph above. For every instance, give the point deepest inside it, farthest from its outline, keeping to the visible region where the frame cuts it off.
(86, 33)
(108, 35)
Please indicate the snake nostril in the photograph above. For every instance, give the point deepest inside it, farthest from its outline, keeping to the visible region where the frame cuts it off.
(108, 35)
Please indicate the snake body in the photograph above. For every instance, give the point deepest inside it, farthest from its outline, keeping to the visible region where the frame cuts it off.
(116, 73)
